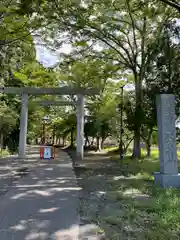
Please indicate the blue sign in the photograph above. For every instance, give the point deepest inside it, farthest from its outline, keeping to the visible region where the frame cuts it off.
(47, 153)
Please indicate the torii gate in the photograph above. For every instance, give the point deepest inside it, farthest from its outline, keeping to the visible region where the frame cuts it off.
(25, 91)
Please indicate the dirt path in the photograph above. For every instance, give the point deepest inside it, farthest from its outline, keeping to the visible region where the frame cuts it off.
(96, 203)
(108, 197)
(95, 178)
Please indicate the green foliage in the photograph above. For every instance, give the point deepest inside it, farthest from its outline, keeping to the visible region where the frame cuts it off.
(34, 74)
(8, 118)
(87, 73)
(163, 70)
(16, 51)
(28, 7)
(99, 31)
(172, 3)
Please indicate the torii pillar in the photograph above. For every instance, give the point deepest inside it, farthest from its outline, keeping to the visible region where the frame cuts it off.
(80, 128)
(23, 125)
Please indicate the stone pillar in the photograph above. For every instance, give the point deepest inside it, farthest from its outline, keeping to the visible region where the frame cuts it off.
(23, 125)
(168, 176)
(80, 128)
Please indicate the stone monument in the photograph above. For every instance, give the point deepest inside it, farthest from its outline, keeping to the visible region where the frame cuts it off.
(168, 175)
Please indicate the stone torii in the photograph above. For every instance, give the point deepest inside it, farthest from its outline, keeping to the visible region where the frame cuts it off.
(25, 91)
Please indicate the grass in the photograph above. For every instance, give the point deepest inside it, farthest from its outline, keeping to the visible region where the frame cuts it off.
(154, 217)
(138, 208)
(147, 212)
(4, 153)
(111, 148)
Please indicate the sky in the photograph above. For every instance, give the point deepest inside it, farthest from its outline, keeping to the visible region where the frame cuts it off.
(49, 59)
(45, 57)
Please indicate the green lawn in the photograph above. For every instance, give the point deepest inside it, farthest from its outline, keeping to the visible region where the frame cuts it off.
(4, 153)
(147, 211)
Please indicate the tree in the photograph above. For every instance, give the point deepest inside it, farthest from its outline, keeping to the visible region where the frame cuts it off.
(106, 34)
(149, 118)
(17, 65)
(163, 73)
(172, 3)
(106, 42)
(16, 41)
(15, 24)
(8, 119)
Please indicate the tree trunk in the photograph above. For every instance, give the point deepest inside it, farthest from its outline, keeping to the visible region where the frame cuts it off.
(53, 135)
(138, 78)
(2, 138)
(148, 144)
(127, 146)
(72, 140)
(137, 120)
(87, 143)
(148, 149)
(102, 143)
(92, 142)
(98, 145)
(55, 139)
(64, 139)
(137, 144)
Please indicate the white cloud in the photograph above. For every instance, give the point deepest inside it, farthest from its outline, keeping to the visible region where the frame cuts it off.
(66, 48)
(45, 57)
(49, 59)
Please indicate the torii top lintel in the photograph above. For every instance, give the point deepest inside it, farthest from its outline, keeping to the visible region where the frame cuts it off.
(50, 91)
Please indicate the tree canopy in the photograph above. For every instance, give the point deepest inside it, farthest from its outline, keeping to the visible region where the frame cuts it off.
(127, 43)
